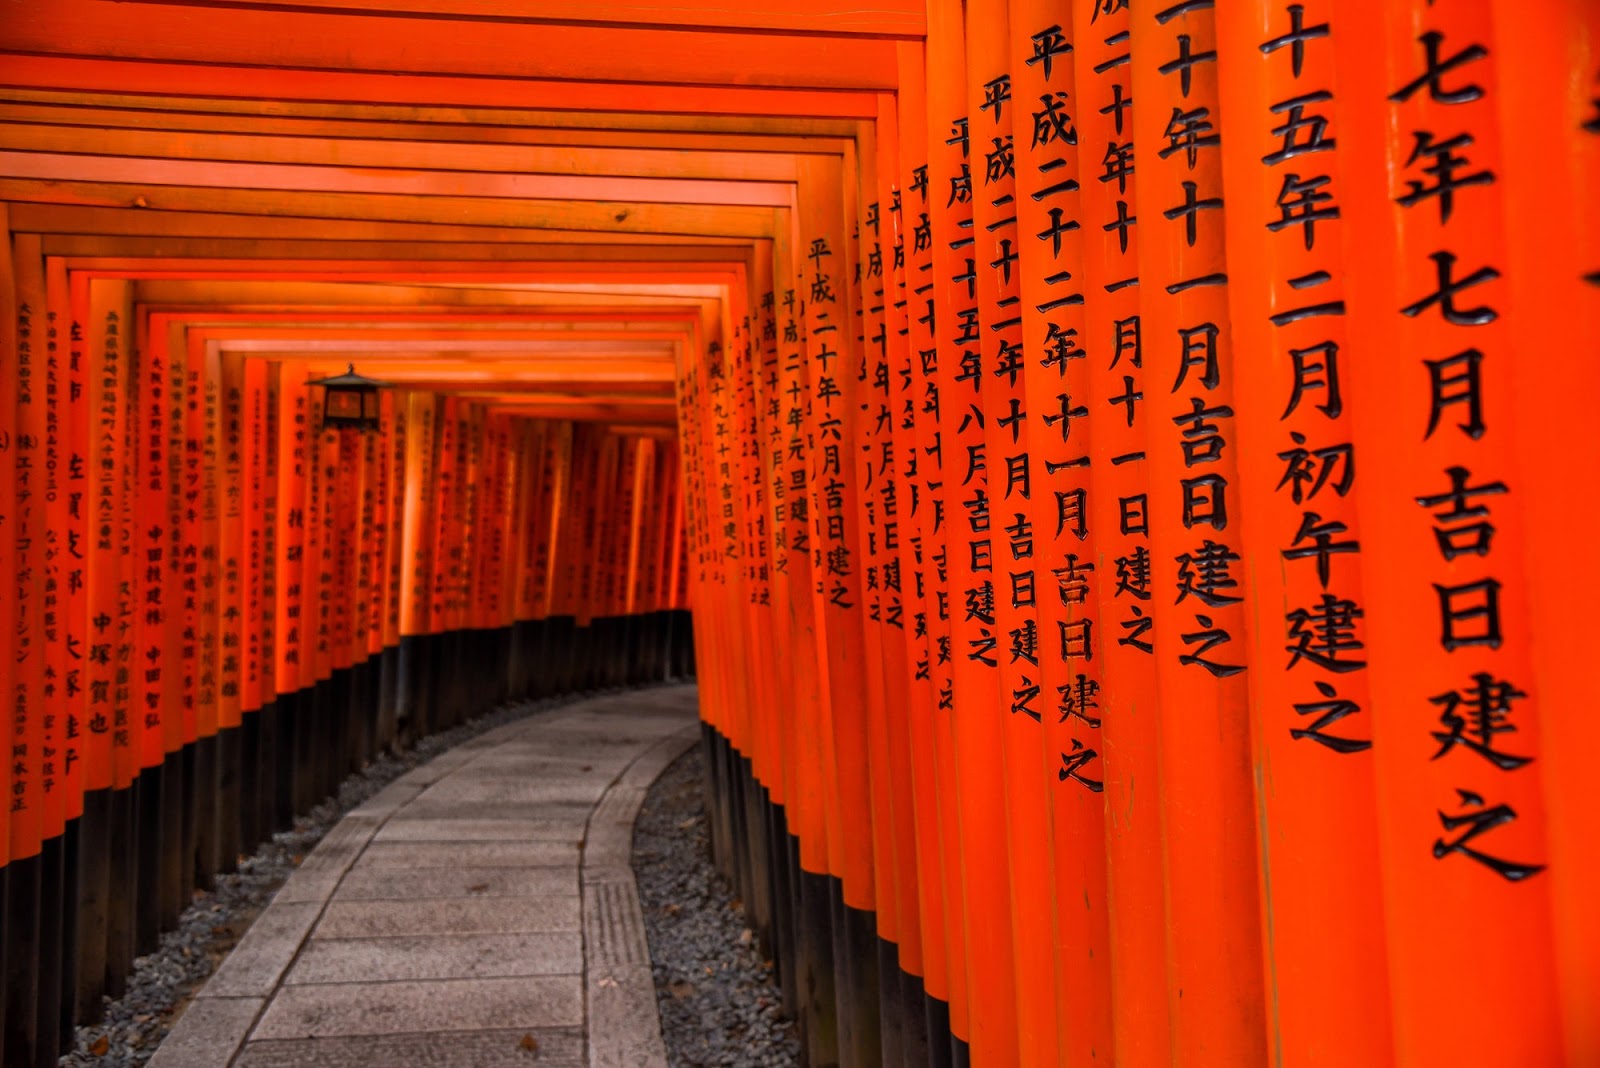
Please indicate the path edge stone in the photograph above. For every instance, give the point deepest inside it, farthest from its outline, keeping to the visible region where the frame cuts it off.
(624, 1021)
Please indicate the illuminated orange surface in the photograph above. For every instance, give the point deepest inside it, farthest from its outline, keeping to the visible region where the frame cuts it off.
(1127, 464)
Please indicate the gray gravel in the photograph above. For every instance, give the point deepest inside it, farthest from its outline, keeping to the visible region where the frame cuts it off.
(163, 981)
(719, 999)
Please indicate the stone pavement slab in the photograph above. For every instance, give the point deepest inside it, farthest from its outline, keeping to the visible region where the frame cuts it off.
(367, 1008)
(498, 790)
(576, 812)
(480, 905)
(552, 1048)
(380, 884)
(484, 956)
(471, 830)
(411, 855)
(460, 915)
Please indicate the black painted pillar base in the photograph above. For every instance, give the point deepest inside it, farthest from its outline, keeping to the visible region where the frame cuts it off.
(22, 962)
(438, 700)
(49, 918)
(251, 755)
(363, 714)
(177, 833)
(941, 1043)
(769, 875)
(623, 654)
(566, 654)
(335, 737)
(146, 884)
(461, 653)
(431, 703)
(388, 696)
(520, 682)
(541, 652)
(653, 654)
(682, 645)
(716, 795)
(93, 903)
(578, 646)
(912, 1011)
(783, 896)
(744, 856)
(188, 851)
(596, 635)
(5, 975)
(891, 1025)
(669, 632)
(409, 656)
(230, 798)
(500, 689)
(67, 999)
(310, 757)
(269, 779)
(291, 715)
(207, 809)
(467, 662)
(386, 674)
(122, 902)
(843, 985)
(855, 955)
(791, 919)
(816, 971)
(627, 653)
(430, 694)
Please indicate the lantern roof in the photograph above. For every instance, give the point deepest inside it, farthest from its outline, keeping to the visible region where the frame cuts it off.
(350, 380)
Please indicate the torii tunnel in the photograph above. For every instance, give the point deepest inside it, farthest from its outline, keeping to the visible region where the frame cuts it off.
(1120, 461)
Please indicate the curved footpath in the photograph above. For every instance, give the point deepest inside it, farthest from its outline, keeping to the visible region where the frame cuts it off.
(478, 912)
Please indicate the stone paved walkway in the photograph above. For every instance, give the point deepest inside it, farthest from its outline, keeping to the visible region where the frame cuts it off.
(480, 905)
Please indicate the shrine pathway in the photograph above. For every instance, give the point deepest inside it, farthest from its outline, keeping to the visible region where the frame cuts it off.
(480, 911)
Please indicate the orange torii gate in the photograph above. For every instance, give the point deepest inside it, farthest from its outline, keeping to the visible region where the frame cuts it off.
(328, 665)
(1071, 697)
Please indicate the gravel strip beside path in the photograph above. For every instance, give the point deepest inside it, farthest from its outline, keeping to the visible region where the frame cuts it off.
(163, 981)
(719, 1000)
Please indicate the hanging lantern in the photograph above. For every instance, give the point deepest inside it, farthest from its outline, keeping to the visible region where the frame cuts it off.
(351, 401)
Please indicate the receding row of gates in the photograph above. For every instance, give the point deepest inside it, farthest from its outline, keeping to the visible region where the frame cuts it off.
(222, 605)
(1143, 496)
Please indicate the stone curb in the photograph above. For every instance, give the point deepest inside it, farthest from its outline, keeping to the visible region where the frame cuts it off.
(624, 1022)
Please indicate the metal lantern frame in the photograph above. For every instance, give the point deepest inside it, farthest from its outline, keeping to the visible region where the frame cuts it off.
(350, 401)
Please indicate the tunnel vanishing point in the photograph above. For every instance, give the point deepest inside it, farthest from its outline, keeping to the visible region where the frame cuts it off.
(1122, 464)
